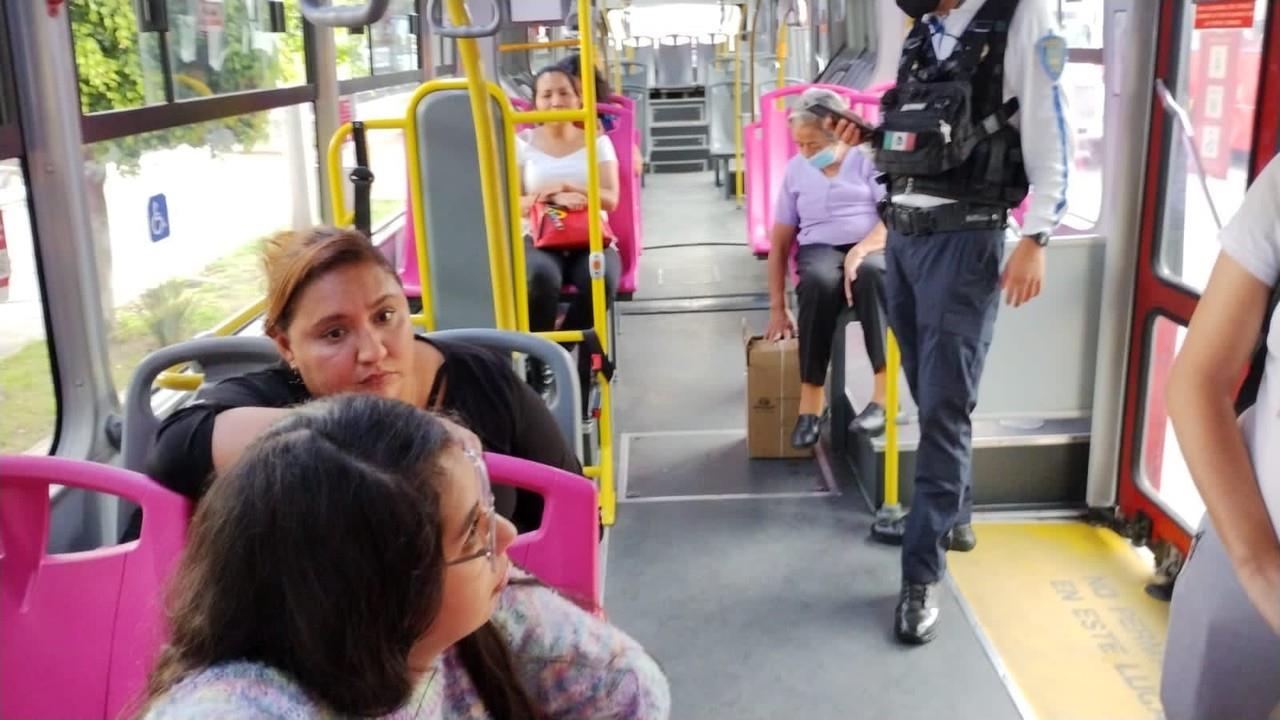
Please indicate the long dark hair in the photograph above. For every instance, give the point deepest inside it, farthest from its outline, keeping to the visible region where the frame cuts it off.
(573, 67)
(320, 555)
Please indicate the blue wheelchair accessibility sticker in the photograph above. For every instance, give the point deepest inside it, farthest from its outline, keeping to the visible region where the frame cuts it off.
(1052, 50)
(158, 217)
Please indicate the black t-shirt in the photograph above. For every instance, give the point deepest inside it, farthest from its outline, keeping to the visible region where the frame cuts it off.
(480, 389)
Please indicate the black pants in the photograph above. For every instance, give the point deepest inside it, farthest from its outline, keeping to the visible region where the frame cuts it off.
(943, 292)
(549, 271)
(821, 297)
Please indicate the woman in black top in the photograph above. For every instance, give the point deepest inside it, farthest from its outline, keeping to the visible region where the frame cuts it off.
(339, 316)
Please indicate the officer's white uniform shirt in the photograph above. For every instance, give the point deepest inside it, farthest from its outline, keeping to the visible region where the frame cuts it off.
(1252, 238)
(1033, 59)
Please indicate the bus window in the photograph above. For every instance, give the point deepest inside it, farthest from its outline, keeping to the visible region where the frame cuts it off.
(1217, 84)
(388, 46)
(1083, 85)
(1162, 467)
(353, 54)
(178, 216)
(108, 46)
(395, 46)
(213, 48)
(28, 402)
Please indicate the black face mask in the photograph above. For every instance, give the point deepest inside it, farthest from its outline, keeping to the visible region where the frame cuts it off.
(917, 9)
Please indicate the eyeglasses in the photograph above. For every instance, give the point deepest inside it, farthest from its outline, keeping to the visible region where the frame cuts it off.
(485, 521)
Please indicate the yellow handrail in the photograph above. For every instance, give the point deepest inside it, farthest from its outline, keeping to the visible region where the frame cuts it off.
(781, 51)
(737, 123)
(175, 379)
(893, 361)
(337, 181)
(506, 302)
(548, 44)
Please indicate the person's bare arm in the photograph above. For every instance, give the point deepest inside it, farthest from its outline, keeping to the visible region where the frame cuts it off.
(235, 429)
(780, 239)
(1200, 402)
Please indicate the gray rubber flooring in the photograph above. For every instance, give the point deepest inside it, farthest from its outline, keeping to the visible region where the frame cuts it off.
(763, 606)
(695, 242)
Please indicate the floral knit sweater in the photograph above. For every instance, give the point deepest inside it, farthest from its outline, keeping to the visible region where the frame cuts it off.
(575, 666)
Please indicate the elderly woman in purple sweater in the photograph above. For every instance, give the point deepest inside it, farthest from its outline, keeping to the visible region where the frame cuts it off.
(827, 206)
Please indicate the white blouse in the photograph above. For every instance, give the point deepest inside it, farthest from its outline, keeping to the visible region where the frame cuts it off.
(538, 168)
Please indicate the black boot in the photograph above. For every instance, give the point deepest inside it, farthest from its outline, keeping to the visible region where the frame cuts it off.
(916, 619)
(870, 421)
(808, 429)
(961, 538)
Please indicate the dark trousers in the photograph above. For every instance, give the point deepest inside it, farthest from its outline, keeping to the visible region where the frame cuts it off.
(820, 294)
(943, 292)
(548, 272)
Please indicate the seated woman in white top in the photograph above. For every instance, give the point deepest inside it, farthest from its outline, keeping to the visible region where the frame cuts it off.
(553, 168)
(1222, 657)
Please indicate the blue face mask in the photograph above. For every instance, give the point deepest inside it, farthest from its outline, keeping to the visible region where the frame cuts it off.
(824, 158)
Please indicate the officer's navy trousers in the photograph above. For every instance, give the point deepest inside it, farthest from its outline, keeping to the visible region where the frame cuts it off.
(943, 291)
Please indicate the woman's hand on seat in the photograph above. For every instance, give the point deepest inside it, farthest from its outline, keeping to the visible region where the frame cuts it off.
(780, 326)
(852, 260)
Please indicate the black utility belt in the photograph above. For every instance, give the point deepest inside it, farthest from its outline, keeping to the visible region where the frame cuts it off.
(951, 217)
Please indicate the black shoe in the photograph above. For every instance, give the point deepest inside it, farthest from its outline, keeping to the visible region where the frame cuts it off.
(870, 421)
(808, 429)
(961, 538)
(916, 619)
(541, 378)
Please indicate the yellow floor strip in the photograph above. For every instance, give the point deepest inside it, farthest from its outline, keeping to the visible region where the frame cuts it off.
(1064, 607)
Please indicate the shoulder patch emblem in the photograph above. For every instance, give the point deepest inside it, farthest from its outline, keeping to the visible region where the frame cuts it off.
(1052, 51)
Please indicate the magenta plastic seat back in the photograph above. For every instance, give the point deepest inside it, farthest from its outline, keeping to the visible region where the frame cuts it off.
(564, 552)
(81, 630)
(407, 266)
(777, 148)
(755, 184)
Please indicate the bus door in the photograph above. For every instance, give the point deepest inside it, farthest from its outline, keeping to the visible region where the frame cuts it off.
(1207, 141)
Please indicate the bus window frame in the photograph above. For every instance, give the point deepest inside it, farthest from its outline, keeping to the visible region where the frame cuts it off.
(114, 124)
(13, 146)
(10, 132)
(1156, 294)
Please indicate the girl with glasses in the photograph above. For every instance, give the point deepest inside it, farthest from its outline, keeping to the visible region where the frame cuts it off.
(351, 564)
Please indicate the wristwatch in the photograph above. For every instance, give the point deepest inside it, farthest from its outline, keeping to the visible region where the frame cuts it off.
(1041, 238)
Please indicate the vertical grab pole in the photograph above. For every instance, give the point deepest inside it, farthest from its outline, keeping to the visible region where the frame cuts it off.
(892, 362)
(596, 258)
(890, 518)
(781, 51)
(490, 190)
(737, 120)
(515, 217)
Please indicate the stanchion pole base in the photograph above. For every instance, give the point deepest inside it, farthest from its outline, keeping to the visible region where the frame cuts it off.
(890, 524)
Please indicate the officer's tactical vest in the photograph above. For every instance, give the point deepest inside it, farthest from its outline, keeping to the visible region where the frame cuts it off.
(944, 128)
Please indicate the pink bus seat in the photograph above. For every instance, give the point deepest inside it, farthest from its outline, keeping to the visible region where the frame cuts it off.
(753, 156)
(564, 552)
(1020, 213)
(81, 630)
(776, 149)
(625, 219)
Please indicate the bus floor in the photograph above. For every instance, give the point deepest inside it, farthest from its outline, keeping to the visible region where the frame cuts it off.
(753, 583)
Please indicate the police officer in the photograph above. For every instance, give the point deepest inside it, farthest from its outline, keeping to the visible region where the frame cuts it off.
(976, 116)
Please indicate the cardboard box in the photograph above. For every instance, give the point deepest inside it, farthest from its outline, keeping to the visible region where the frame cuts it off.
(773, 396)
